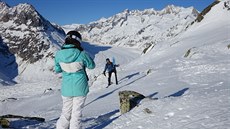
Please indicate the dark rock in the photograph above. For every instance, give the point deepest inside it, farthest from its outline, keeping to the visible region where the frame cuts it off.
(11, 120)
(205, 11)
(4, 123)
(128, 100)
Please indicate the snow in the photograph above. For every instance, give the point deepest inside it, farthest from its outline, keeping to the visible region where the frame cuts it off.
(137, 29)
(68, 28)
(183, 92)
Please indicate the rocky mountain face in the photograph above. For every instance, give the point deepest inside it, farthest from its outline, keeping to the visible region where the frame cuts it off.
(27, 34)
(28, 43)
(138, 29)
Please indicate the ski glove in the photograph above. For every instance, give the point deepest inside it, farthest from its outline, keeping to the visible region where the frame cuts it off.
(104, 73)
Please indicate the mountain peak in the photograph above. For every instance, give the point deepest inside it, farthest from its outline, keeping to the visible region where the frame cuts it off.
(27, 33)
(135, 28)
(170, 9)
(21, 14)
(126, 11)
(3, 6)
(25, 7)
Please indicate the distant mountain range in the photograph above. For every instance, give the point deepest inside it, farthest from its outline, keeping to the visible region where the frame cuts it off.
(27, 38)
(138, 29)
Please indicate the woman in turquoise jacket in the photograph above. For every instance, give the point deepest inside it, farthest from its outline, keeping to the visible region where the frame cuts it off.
(71, 61)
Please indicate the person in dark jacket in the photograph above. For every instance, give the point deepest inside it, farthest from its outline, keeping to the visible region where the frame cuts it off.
(71, 61)
(111, 69)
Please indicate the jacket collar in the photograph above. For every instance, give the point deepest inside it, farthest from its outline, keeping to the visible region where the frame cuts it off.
(67, 46)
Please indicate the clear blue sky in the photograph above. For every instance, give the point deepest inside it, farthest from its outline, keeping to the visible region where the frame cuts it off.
(65, 12)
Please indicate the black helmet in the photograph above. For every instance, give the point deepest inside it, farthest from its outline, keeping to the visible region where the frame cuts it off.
(74, 37)
(75, 33)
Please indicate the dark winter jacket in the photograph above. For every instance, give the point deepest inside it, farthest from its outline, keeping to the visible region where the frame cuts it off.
(110, 67)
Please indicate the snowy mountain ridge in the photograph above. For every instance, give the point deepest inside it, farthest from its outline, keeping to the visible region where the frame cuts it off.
(22, 27)
(29, 38)
(138, 29)
(186, 78)
(33, 39)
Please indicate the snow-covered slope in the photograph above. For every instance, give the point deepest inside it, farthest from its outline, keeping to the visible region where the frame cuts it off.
(190, 77)
(29, 37)
(138, 29)
(189, 74)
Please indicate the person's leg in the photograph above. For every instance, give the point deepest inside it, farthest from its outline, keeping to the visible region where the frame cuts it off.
(64, 120)
(109, 78)
(78, 103)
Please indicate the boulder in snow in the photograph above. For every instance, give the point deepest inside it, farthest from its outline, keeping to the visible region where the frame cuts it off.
(128, 100)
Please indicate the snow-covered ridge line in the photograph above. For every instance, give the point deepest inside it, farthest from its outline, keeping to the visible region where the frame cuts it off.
(138, 29)
(31, 41)
(26, 32)
(192, 90)
(206, 10)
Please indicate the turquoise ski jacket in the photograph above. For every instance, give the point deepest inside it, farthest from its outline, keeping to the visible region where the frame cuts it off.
(72, 62)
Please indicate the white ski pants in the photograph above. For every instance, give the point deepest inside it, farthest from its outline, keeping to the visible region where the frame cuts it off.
(71, 113)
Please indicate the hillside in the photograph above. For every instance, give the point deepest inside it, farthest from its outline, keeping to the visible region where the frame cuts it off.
(185, 77)
(138, 29)
(28, 38)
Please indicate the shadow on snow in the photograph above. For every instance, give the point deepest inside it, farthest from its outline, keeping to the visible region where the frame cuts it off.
(107, 94)
(129, 76)
(94, 49)
(101, 121)
(178, 93)
(8, 65)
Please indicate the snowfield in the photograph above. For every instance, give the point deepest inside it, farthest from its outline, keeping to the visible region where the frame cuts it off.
(186, 80)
